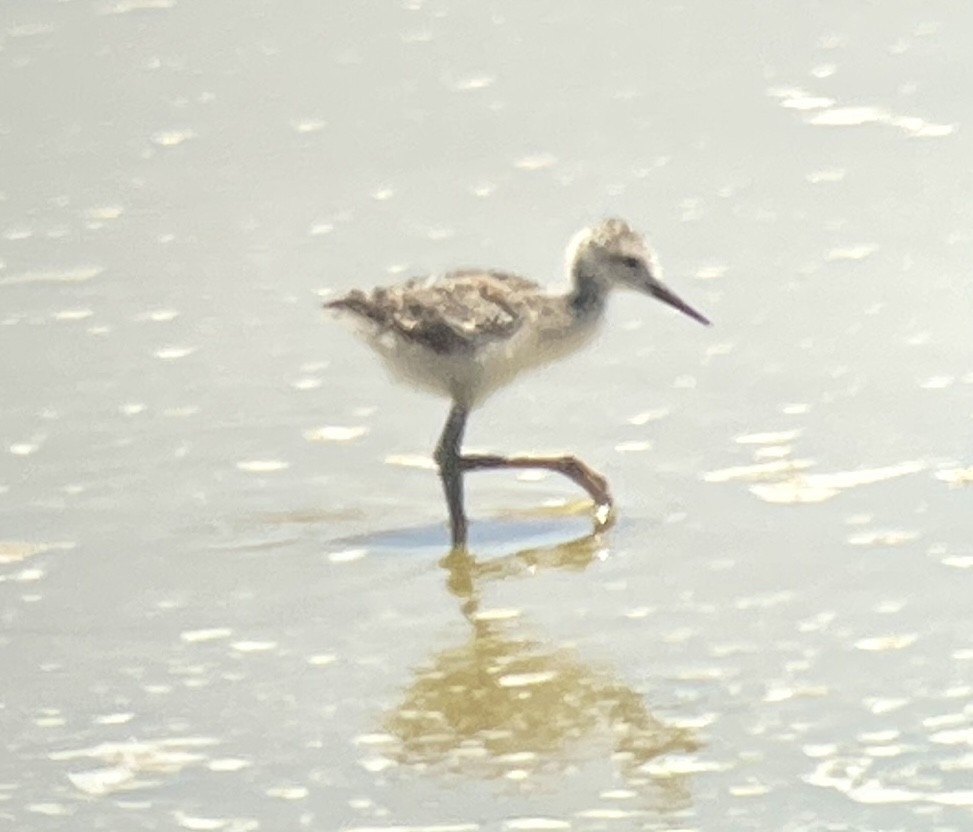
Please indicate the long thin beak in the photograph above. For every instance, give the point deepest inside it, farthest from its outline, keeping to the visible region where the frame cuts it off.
(666, 295)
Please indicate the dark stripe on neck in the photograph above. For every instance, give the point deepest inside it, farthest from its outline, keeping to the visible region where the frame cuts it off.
(588, 297)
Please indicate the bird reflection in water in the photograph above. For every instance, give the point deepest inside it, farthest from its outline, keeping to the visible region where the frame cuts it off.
(503, 704)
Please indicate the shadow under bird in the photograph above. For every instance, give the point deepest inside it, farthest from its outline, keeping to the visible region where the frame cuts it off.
(467, 333)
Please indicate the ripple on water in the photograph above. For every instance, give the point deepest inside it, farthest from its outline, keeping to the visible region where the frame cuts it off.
(262, 466)
(173, 353)
(335, 433)
(79, 274)
(126, 764)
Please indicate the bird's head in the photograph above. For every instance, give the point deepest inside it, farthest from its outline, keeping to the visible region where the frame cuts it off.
(613, 254)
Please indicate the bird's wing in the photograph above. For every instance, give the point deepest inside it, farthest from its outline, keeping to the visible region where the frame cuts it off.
(455, 312)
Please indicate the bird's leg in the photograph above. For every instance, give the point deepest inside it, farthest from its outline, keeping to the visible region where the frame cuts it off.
(447, 457)
(569, 466)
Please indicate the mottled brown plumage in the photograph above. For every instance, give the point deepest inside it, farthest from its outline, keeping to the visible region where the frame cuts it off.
(450, 313)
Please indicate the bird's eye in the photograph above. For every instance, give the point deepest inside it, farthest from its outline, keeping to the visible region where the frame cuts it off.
(632, 262)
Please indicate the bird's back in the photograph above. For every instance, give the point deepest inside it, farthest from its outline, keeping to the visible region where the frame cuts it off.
(455, 313)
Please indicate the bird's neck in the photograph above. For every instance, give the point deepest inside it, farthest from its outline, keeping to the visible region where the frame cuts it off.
(588, 295)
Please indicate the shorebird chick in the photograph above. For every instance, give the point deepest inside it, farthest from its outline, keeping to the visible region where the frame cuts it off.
(467, 333)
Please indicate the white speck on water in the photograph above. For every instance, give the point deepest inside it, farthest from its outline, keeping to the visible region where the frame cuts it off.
(24, 448)
(373, 739)
(497, 614)
(607, 814)
(882, 538)
(411, 461)
(886, 643)
(12, 551)
(818, 750)
(318, 229)
(647, 416)
(347, 555)
(522, 680)
(824, 70)
(208, 634)
(306, 383)
(955, 736)
(633, 446)
(956, 476)
(883, 705)
(375, 765)
(677, 767)
(537, 824)
(199, 824)
(618, 794)
(171, 138)
(335, 433)
(806, 102)
(795, 408)
(262, 466)
(483, 189)
(114, 719)
(937, 382)
(849, 117)
(131, 408)
(383, 193)
(858, 116)
(710, 272)
(98, 782)
(77, 275)
(158, 315)
(228, 764)
(768, 438)
(958, 561)
(322, 659)
(813, 488)
(868, 476)
(72, 314)
(792, 492)
(760, 471)
(440, 232)
(126, 6)
(49, 809)
(475, 82)
(173, 353)
(308, 125)
(253, 646)
(537, 161)
(764, 601)
(856, 252)
(103, 213)
(920, 128)
(288, 792)
(826, 175)
(751, 789)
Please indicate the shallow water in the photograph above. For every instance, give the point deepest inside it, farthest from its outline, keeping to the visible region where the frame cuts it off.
(224, 584)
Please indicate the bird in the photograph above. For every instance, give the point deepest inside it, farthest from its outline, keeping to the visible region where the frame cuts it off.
(468, 333)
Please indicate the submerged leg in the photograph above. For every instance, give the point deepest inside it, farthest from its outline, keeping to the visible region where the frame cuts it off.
(569, 466)
(447, 457)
